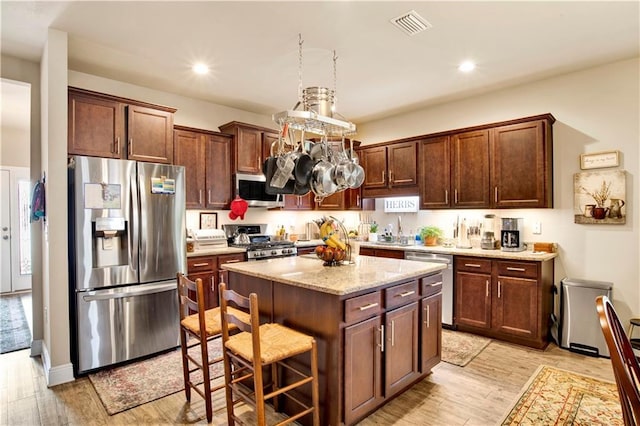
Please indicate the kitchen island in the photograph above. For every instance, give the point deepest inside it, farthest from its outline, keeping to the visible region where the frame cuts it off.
(376, 322)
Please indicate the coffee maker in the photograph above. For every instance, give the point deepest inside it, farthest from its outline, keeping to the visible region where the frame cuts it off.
(511, 236)
(489, 225)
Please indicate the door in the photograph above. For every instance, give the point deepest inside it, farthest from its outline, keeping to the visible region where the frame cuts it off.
(516, 307)
(150, 133)
(190, 153)
(126, 323)
(431, 332)
(219, 191)
(402, 165)
(374, 162)
(161, 221)
(15, 269)
(473, 299)
(435, 173)
(470, 169)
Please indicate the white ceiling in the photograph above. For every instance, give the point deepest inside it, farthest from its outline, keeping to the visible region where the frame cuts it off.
(252, 47)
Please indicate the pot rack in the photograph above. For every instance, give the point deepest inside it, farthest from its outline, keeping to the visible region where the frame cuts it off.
(311, 121)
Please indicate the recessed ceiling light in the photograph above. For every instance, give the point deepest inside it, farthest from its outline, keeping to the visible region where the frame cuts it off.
(467, 66)
(200, 68)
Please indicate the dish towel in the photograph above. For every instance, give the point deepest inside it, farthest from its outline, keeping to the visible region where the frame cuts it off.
(38, 202)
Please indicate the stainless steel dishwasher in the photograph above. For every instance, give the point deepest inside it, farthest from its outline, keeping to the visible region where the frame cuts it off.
(447, 280)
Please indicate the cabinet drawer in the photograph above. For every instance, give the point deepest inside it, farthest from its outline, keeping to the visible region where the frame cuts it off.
(201, 264)
(431, 285)
(518, 269)
(401, 294)
(230, 258)
(361, 307)
(473, 264)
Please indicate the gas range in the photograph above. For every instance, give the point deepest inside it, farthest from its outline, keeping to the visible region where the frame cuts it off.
(260, 246)
(270, 249)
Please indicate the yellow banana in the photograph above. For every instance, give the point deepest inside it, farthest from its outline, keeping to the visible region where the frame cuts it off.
(338, 242)
(330, 241)
(324, 230)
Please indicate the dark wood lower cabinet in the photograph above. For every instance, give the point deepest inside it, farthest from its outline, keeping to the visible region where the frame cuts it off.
(401, 348)
(363, 368)
(431, 331)
(504, 299)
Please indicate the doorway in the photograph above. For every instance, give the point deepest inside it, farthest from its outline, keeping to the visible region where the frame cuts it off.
(15, 228)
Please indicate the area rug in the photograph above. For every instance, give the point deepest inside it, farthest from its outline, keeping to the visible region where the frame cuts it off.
(14, 328)
(122, 388)
(559, 397)
(460, 348)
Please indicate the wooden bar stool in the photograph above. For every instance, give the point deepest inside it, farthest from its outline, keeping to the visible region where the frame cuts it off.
(193, 319)
(257, 346)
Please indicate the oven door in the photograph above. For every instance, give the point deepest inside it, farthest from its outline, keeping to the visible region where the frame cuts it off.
(252, 189)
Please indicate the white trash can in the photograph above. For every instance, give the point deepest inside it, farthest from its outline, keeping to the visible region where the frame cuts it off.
(579, 324)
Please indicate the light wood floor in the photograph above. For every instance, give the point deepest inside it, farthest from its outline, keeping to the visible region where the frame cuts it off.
(477, 394)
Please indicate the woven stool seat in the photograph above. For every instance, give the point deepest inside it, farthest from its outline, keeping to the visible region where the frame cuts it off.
(212, 321)
(277, 342)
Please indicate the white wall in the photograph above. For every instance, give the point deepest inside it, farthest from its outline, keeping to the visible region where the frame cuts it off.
(596, 110)
(14, 147)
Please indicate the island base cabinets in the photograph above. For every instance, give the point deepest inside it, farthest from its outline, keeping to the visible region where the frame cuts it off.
(363, 368)
(208, 268)
(430, 322)
(506, 300)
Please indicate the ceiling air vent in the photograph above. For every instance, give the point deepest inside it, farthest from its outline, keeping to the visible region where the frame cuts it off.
(411, 23)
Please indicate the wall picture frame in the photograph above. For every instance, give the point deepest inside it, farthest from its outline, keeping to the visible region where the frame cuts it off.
(600, 197)
(208, 220)
(598, 160)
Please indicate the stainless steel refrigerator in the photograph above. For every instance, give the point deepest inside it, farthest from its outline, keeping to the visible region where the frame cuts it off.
(126, 244)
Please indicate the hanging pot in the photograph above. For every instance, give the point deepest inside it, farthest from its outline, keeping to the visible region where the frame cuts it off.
(322, 180)
(269, 169)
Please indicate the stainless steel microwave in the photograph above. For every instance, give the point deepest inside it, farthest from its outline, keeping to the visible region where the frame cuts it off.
(252, 188)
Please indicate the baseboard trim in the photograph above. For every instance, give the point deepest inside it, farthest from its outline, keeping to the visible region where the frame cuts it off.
(56, 375)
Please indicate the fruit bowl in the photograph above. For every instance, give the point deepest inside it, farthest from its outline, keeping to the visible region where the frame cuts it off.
(330, 255)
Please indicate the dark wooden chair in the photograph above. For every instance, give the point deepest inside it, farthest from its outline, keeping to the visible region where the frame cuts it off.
(623, 359)
(264, 345)
(198, 326)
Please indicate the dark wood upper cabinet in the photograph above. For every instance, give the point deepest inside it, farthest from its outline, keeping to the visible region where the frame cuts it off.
(470, 169)
(206, 156)
(521, 165)
(390, 169)
(150, 135)
(102, 125)
(249, 145)
(96, 126)
(502, 165)
(434, 172)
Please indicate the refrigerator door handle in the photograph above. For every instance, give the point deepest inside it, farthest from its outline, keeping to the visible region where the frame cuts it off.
(134, 229)
(119, 295)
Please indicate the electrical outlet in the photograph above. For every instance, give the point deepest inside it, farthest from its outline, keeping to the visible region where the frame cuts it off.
(537, 228)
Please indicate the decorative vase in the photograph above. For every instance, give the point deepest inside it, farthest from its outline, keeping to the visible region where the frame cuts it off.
(599, 212)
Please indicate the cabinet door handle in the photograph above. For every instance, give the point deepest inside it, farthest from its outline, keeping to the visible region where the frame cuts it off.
(455, 196)
(208, 196)
(130, 150)
(358, 200)
(197, 265)
(511, 268)
(499, 289)
(487, 288)
(407, 293)
(495, 194)
(446, 196)
(369, 306)
(117, 145)
(393, 334)
(435, 284)
(426, 315)
(472, 265)
(381, 344)
(200, 196)
(383, 180)
(232, 261)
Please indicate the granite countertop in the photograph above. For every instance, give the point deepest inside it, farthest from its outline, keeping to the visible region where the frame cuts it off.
(309, 243)
(497, 254)
(216, 251)
(364, 273)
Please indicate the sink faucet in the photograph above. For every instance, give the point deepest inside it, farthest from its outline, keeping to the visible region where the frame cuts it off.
(399, 225)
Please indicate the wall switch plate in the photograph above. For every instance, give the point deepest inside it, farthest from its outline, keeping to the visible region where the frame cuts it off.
(537, 228)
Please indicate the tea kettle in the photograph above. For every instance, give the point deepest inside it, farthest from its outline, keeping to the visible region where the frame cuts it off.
(241, 237)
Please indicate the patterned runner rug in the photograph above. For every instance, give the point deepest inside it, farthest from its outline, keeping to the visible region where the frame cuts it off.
(460, 348)
(14, 329)
(559, 397)
(128, 386)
